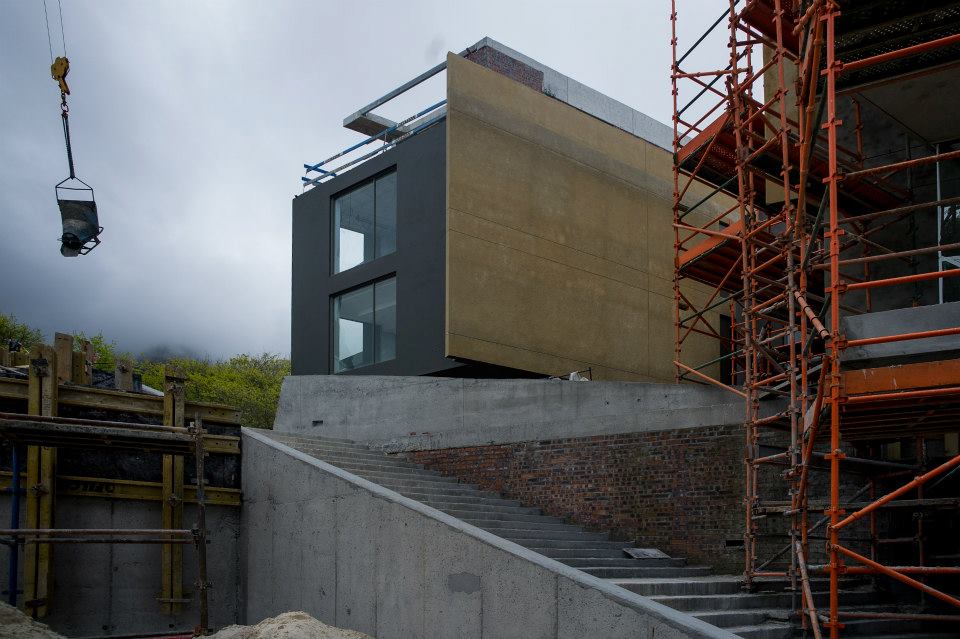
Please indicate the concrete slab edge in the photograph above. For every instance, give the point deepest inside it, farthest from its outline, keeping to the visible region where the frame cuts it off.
(688, 624)
(589, 100)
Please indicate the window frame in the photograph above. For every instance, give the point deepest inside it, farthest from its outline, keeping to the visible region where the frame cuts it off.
(372, 284)
(334, 227)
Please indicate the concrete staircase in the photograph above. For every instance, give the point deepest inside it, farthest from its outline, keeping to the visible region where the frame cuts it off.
(716, 599)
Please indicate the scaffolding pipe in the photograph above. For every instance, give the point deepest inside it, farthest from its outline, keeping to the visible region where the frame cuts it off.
(900, 53)
(897, 255)
(903, 337)
(805, 581)
(899, 166)
(916, 482)
(933, 592)
(905, 279)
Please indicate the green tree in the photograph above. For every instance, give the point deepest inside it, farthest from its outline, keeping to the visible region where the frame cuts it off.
(105, 351)
(13, 329)
(249, 382)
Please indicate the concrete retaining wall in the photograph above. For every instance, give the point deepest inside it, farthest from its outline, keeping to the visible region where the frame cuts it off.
(414, 413)
(357, 555)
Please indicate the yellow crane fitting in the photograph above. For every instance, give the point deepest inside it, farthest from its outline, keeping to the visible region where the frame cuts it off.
(59, 70)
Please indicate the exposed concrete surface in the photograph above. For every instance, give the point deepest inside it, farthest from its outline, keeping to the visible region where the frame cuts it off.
(410, 413)
(105, 589)
(358, 555)
(904, 320)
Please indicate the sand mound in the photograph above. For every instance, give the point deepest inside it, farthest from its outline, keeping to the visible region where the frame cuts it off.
(289, 625)
(16, 625)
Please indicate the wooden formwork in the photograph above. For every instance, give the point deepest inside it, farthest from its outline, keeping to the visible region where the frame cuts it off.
(51, 411)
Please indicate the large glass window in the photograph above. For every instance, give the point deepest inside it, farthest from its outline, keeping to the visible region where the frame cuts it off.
(365, 222)
(365, 326)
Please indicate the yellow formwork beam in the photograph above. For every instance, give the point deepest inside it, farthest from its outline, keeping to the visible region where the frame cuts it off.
(171, 586)
(133, 490)
(114, 400)
(40, 486)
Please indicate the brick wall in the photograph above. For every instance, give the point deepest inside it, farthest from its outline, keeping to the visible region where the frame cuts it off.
(677, 490)
(510, 67)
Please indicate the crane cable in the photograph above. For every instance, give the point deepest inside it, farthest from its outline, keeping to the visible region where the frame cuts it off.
(59, 68)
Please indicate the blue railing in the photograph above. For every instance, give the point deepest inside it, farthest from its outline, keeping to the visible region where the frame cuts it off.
(398, 127)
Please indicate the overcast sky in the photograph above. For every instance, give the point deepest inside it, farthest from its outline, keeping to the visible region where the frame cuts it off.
(192, 120)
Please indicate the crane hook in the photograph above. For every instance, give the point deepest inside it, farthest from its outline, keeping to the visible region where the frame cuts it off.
(59, 70)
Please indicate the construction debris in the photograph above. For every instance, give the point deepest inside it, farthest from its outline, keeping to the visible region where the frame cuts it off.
(289, 625)
(16, 625)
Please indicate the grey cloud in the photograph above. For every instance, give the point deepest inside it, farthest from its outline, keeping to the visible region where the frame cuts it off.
(192, 119)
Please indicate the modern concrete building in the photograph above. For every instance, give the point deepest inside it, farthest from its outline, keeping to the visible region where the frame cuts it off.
(520, 228)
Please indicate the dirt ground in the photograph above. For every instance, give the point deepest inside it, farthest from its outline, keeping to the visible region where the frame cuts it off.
(289, 625)
(16, 625)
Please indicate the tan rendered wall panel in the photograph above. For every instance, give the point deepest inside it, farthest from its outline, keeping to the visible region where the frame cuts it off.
(559, 237)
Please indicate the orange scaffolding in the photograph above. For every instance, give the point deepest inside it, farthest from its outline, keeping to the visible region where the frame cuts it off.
(784, 210)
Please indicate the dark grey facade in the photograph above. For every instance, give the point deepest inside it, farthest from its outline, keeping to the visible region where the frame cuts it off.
(417, 263)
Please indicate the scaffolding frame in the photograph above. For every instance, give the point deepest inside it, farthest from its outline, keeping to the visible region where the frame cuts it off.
(791, 202)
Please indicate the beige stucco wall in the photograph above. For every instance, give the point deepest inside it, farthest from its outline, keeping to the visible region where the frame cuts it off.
(559, 236)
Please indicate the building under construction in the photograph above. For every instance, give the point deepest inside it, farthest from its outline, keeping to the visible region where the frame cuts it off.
(826, 129)
(489, 431)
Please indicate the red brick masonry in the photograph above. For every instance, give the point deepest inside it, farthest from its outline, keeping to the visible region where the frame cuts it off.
(677, 490)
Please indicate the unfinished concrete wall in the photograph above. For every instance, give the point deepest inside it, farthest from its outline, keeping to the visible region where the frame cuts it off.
(112, 589)
(408, 413)
(360, 556)
(559, 236)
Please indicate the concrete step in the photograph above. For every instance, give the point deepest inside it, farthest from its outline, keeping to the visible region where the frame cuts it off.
(744, 600)
(496, 525)
(562, 554)
(478, 505)
(334, 448)
(585, 544)
(293, 437)
(326, 443)
(771, 630)
(392, 471)
(356, 457)
(433, 488)
(713, 585)
(452, 493)
(340, 449)
(477, 498)
(406, 479)
(622, 562)
(502, 515)
(515, 534)
(640, 572)
(746, 617)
